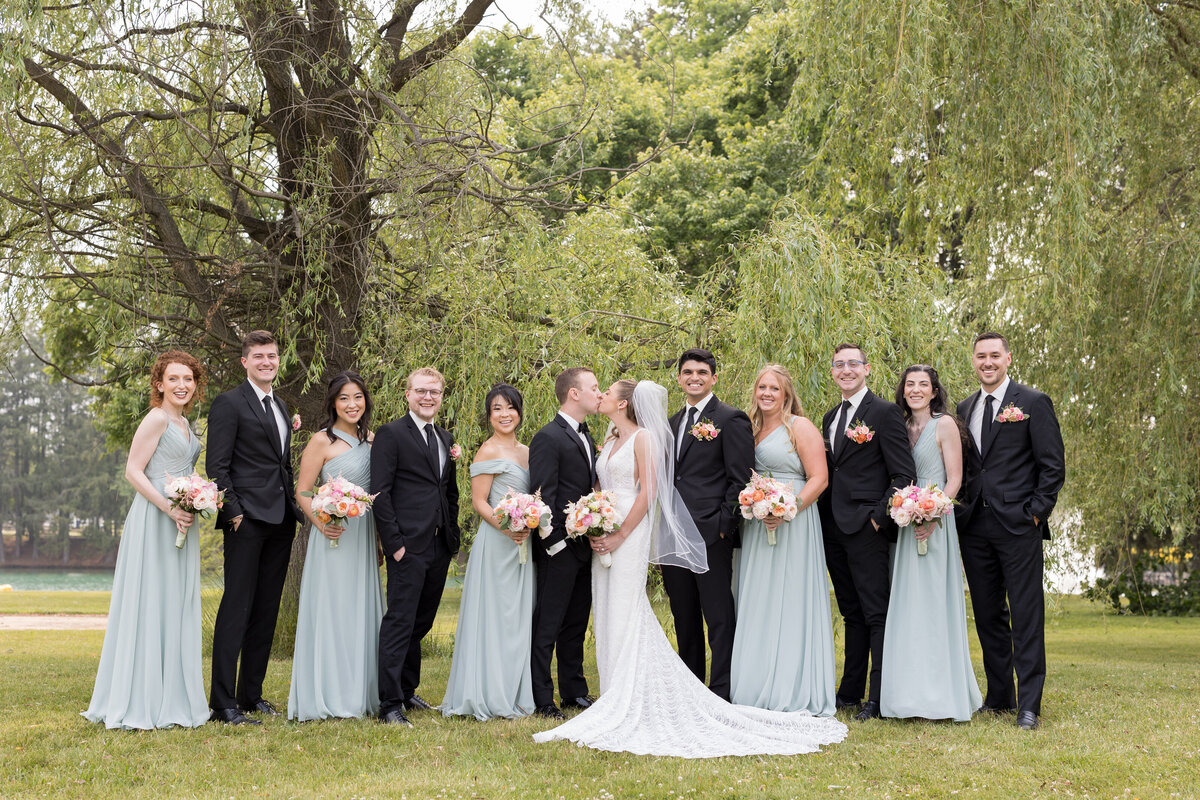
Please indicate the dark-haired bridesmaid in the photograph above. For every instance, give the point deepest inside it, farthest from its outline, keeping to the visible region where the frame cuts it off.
(928, 670)
(149, 674)
(489, 673)
(335, 668)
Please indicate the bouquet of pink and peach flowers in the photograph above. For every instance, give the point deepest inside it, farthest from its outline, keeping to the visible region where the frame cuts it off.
(194, 495)
(517, 512)
(337, 501)
(914, 505)
(595, 515)
(765, 497)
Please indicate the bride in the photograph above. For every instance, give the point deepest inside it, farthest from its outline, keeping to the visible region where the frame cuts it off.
(650, 702)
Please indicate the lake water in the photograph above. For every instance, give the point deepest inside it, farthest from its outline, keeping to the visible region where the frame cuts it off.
(47, 580)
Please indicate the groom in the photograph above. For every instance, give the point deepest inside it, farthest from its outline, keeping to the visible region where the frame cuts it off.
(562, 465)
(416, 514)
(249, 458)
(866, 447)
(711, 467)
(1014, 470)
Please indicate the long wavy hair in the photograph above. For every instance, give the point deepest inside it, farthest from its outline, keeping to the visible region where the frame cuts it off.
(791, 402)
(336, 384)
(937, 403)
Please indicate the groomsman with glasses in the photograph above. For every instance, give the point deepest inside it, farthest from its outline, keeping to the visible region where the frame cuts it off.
(866, 446)
(1014, 469)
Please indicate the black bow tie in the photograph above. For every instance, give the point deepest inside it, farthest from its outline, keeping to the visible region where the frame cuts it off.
(583, 428)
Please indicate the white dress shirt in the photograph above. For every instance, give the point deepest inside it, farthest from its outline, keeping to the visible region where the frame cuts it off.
(842, 421)
(976, 421)
(280, 422)
(440, 447)
(683, 426)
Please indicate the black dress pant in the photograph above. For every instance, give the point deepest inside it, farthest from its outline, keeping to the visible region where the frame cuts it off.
(414, 591)
(700, 598)
(560, 619)
(1004, 574)
(858, 567)
(256, 562)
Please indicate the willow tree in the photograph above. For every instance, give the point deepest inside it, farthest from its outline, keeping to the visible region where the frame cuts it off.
(1044, 156)
(179, 174)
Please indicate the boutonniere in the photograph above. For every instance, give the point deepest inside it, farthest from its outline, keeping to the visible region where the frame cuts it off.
(455, 452)
(1010, 413)
(295, 422)
(705, 430)
(859, 433)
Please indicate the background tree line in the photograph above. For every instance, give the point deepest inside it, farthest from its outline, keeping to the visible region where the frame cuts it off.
(427, 185)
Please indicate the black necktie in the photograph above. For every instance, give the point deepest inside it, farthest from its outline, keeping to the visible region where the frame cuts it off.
(431, 441)
(988, 413)
(271, 417)
(839, 425)
(691, 422)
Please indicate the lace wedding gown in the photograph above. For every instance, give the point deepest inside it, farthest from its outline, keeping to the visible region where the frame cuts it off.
(650, 702)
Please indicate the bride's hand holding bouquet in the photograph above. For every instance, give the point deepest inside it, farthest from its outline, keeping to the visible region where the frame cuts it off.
(595, 515)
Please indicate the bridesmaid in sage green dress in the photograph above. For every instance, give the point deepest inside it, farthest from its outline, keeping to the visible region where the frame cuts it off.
(783, 657)
(149, 674)
(489, 672)
(334, 668)
(927, 664)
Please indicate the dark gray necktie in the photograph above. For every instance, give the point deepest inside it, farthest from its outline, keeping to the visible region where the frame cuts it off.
(988, 412)
(839, 426)
(431, 442)
(274, 423)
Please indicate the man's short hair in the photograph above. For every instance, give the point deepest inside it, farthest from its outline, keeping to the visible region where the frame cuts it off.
(983, 337)
(697, 354)
(257, 339)
(851, 346)
(424, 372)
(567, 380)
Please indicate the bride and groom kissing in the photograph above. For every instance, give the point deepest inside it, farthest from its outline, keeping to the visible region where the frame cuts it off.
(675, 483)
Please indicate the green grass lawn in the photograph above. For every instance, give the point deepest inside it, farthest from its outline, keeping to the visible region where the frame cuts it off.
(1121, 720)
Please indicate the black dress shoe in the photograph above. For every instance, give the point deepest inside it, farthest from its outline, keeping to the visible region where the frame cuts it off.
(870, 710)
(549, 711)
(395, 717)
(578, 702)
(1027, 721)
(261, 707)
(841, 705)
(231, 716)
(417, 703)
(986, 709)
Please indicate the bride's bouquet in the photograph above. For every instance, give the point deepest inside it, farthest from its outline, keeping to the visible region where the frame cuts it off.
(594, 515)
(337, 501)
(766, 497)
(913, 505)
(517, 512)
(194, 495)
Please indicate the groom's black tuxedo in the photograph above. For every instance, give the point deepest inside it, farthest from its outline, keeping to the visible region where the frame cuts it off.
(862, 479)
(244, 458)
(416, 508)
(1013, 478)
(563, 468)
(709, 474)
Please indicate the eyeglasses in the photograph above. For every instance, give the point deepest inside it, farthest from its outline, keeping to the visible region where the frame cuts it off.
(427, 392)
(853, 363)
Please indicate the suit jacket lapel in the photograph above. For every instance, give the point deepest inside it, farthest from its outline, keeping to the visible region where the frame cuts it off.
(574, 436)
(1009, 396)
(974, 401)
(687, 438)
(419, 439)
(269, 425)
(844, 442)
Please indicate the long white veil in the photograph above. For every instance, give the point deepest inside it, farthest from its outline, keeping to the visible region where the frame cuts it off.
(675, 540)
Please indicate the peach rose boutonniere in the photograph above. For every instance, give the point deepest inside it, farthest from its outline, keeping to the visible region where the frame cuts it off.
(705, 430)
(455, 452)
(859, 432)
(1010, 413)
(295, 422)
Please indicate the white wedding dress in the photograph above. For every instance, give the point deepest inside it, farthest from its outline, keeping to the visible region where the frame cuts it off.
(650, 702)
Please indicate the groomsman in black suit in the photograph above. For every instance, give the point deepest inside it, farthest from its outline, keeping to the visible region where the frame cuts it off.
(562, 465)
(1014, 471)
(709, 474)
(249, 458)
(864, 472)
(416, 514)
